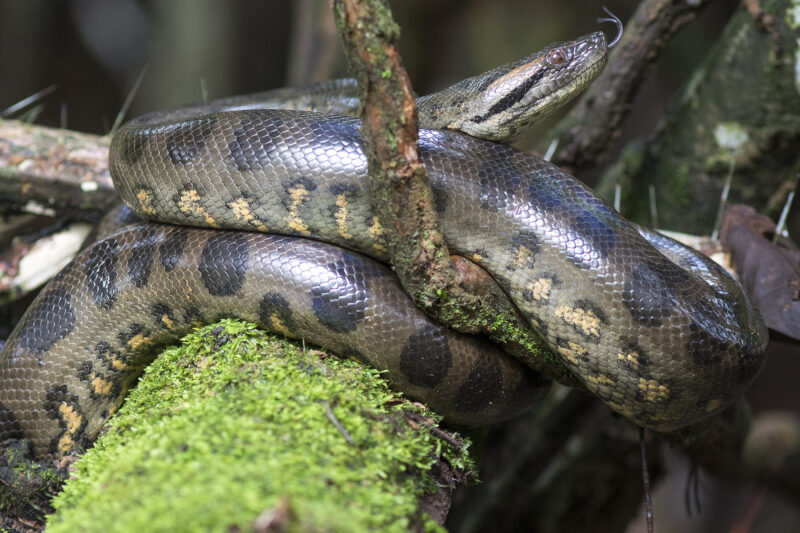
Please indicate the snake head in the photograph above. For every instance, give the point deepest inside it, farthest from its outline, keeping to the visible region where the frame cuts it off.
(499, 104)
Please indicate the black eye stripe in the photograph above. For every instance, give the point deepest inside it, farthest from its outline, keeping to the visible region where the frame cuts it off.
(513, 97)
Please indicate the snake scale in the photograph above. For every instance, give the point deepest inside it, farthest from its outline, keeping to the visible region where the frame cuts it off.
(658, 332)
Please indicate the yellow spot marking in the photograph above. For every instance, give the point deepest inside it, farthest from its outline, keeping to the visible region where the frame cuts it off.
(118, 364)
(376, 231)
(101, 386)
(660, 417)
(619, 408)
(522, 257)
(629, 357)
(65, 443)
(298, 195)
(241, 210)
(73, 422)
(572, 352)
(70, 417)
(145, 199)
(191, 204)
(26, 188)
(277, 325)
(477, 258)
(601, 380)
(714, 404)
(540, 288)
(587, 321)
(137, 341)
(341, 216)
(167, 321)
(652, 391)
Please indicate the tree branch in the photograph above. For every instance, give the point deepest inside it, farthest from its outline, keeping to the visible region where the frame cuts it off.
(53, 172)
(452, 290)
(589, 131)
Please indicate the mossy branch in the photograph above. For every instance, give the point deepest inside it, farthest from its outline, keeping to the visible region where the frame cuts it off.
(452, 290)
(236, 428)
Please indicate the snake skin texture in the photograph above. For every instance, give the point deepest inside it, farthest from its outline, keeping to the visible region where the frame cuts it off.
(655, 341)
(659, 333)
(89, 334)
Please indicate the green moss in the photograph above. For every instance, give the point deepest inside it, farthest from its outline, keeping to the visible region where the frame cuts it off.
(217, 432)
(26, 486)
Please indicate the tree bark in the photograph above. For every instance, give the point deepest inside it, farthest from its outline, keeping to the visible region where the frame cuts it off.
(49, 171)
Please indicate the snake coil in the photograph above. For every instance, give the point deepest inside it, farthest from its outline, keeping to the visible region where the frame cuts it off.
(658, 332)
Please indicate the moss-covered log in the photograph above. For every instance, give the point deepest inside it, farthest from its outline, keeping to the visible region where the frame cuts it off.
(237, 430)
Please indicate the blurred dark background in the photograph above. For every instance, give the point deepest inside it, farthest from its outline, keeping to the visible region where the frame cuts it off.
(92, 51)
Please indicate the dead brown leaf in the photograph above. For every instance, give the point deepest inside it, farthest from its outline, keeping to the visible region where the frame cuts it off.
(769, 272)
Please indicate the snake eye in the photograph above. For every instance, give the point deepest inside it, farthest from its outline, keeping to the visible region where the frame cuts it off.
(557, 57)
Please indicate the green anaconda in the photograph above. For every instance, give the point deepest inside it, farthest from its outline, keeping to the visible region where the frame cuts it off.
(656, 331)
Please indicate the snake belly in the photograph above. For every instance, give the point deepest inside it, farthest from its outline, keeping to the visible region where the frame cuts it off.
(660, 343)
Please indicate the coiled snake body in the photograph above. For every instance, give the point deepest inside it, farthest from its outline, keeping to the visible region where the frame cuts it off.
(656, 331)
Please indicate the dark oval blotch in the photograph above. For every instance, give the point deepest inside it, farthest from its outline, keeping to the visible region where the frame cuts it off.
(482, 386)
(253, 141)
(426, 358)
(339, 304)
(188, 139)
(140, 261)
(274, 304)
(50, 319)
(648, 295)
(131, 145)
(171, 248)
(10, 427)
(101, 272)
(224, 262)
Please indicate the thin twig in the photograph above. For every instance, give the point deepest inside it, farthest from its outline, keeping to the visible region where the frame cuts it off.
(128, 100)
(336, 424)
(780, 227)
(648, 501)
(723, 197)
(25, 102)
(653, 208)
